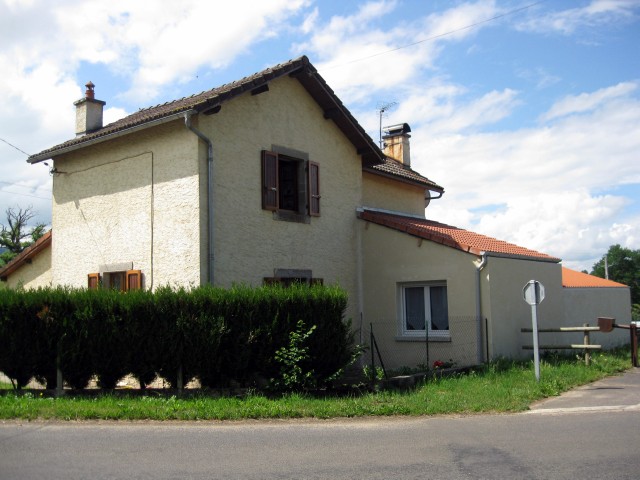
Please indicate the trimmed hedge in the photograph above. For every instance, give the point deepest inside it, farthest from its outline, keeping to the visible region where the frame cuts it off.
(220, 336)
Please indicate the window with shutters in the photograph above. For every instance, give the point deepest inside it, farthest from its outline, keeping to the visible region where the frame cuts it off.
(290, 185)
(123, 281)
(424, 310)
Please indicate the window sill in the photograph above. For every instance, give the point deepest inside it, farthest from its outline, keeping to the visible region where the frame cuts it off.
(294, 217)
(432, 339)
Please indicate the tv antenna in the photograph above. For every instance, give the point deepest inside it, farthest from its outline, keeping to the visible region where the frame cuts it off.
(382, 108)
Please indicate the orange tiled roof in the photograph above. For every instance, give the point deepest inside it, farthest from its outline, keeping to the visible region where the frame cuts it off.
(454, 237)
(574, 279)
(26, 255)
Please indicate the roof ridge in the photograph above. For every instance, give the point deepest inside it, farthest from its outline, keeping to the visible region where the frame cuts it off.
(207, 100)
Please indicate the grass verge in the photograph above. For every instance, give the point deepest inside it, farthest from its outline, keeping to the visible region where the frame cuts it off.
(502, 386)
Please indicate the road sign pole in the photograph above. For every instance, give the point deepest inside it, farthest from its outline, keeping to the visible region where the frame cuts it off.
(533, 294)
(536, 350)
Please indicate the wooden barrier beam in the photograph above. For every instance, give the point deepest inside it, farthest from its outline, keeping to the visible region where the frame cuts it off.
(562, 329)
(565, 347)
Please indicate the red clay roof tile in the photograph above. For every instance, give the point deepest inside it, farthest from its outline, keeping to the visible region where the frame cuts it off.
(450, 236)
(574, 279)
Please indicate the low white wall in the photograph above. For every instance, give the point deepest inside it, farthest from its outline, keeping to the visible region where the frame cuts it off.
(585, 305)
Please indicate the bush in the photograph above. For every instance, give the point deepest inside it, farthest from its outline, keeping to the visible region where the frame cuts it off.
(220, 336)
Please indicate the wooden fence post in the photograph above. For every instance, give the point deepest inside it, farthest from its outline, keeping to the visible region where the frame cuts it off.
(587, 355)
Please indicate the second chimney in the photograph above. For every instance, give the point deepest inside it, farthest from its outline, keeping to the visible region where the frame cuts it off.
(396, 142)
(88, 112)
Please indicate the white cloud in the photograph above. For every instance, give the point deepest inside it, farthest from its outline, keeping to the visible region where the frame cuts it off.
(168, 41)
(110, 115)
(586, 102)
(596, 13)
(394, 54)
(539, 187)
(43, 44)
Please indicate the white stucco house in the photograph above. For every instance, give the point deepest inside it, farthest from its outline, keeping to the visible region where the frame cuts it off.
(271, 178)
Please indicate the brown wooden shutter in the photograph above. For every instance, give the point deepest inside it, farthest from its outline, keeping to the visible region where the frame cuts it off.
(314, 189)
(93, 281)
(269, 180)
(133, 280)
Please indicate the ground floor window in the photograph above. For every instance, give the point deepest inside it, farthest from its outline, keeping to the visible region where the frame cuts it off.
(290, 276)
(424, 310)
(119, 280)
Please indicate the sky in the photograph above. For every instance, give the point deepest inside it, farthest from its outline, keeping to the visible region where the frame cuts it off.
(527, 113)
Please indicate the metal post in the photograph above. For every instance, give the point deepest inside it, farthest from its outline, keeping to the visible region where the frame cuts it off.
(536, 351)
(633, 331)
(426, 342)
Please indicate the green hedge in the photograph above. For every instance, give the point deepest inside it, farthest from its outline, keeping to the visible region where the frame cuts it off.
(220, 336)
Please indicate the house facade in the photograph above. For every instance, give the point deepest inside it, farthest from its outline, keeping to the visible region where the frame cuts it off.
(271, 179)
(255, 181)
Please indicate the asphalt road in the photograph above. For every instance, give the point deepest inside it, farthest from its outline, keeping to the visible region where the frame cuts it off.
(569, 441)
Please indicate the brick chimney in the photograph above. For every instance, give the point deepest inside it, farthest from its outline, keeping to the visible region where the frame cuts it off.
(88, 112)
(396, 142)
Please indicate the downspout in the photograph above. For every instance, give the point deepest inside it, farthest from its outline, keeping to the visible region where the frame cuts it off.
(203, 137)
(479, 350)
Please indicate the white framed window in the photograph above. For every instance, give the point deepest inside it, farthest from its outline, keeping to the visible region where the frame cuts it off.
(424, 310)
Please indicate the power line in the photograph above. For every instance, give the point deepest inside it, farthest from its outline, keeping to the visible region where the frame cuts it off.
(25, 195)
(11, 145)
(440, 35)
(23, 186)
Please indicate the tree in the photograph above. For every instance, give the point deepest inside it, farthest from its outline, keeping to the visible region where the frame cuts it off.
(623, 265)
(16, 235)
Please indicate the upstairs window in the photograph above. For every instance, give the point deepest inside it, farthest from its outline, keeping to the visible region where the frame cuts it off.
(290, 185)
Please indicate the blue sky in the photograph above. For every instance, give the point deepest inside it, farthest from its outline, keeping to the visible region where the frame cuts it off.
(528, 113)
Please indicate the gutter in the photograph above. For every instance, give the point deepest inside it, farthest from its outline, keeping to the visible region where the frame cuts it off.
(479, 268)
(187, 121)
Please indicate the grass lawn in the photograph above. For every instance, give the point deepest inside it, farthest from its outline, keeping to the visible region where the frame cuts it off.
(502, 386)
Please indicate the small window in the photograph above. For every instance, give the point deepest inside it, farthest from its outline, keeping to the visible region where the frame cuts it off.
(290, 185)
(288, 281)
(424, 310)
(291, 276)
(123, 281)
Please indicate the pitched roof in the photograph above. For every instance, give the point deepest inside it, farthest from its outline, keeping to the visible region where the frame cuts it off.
(393, 168)
(450, 236)
(574, 279)
(205, 102)
(26, 255)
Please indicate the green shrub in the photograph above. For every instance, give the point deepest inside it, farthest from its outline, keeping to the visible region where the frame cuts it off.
(220, 336)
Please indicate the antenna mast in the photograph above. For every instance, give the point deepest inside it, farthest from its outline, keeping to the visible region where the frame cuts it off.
(384, 107)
